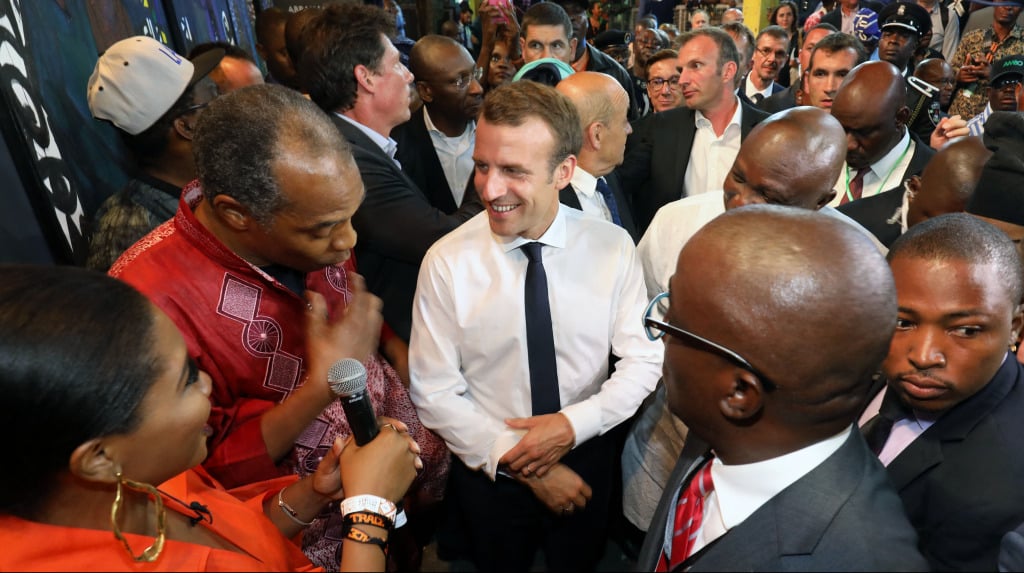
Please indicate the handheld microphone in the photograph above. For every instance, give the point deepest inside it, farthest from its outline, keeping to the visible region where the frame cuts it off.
(347, 379)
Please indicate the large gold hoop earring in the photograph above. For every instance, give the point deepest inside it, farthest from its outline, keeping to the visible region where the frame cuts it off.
(150, 553)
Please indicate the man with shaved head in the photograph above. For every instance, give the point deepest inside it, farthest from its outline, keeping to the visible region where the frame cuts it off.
(947, 421)
(881, 151)
(603, 107)
(435, 147)
(789, 159)
(773, 459)
(945, 186)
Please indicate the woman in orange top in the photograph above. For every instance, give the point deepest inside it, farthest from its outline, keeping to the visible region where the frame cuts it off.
(100, 399)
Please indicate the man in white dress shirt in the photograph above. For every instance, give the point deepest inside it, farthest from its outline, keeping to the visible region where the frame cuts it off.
(604, 108)
(530, 478)
(871, 105)
(789, 159)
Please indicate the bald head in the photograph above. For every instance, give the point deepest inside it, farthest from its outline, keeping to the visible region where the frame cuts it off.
(870, 104)
(792, 158)
(235, 73)
(429, 53)
(603, 106)
(938, 73)
(948, 181)
(773, 282)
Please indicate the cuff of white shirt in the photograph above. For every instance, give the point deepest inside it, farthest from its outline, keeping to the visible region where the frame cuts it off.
(504, 442)
(585, 419)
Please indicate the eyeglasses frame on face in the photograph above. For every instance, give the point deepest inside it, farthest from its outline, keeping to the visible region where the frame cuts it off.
(766, 51)
(462, 82)
(661, 328)
(659, 83)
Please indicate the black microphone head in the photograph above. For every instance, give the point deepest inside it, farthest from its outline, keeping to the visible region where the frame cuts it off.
(347, 377)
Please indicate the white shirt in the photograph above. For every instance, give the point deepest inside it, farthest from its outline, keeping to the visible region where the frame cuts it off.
(944, 39)
(711, 156)
(751, 90)
(904, 431)
(468, 353)
(740, 490)
(886, 173)
(591, 202)
(387, 145)
(676, 222)
(455, 155)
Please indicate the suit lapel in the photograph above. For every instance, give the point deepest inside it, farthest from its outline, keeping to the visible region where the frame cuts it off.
(623, 205)
(364, 144)
(685, 132)
(567, 196)
(926, 451)
(437, 191)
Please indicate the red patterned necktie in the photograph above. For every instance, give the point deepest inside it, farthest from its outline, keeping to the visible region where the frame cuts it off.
(689, 516)
(856, 186)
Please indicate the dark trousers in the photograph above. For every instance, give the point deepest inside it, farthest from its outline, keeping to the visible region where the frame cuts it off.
(504, 523)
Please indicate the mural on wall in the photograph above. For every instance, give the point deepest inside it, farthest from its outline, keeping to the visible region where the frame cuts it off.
(68, 162)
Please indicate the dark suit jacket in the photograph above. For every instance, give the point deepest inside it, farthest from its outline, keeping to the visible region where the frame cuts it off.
(396, 225)
(567, 196)
(1011, 551)
(657, 153)
(420, 163)
(742, 93)
(843, 515)
(601, 62)
(961, 480)
(873, 212)
(779, 101)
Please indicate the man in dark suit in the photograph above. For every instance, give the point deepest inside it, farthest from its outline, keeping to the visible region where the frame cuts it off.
(944, 186)
(603, 106)
(948, 424)
(882, 152)
(435, 147)
(791, 484)
(353, 71)
(589, 59)
(771, 56)
(658, 167)
(787, 97)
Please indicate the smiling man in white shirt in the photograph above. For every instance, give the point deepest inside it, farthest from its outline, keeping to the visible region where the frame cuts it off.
(527, 404)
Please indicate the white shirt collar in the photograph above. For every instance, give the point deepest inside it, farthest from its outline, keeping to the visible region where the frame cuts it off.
(584, 182)
(386, 144)
(702, 122)
(888, 162)
(431, 128)
(553, 237)
(751, 89)
(743, 489)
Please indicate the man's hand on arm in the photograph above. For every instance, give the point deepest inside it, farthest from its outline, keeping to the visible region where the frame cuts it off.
(562, 490)
(548, 438)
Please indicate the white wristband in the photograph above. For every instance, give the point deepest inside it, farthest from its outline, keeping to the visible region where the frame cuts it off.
(370, 503)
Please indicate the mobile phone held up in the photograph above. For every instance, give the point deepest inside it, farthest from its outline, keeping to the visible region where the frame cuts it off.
(500, 4)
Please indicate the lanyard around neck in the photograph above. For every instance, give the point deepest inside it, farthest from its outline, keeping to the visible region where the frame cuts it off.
(849, 195)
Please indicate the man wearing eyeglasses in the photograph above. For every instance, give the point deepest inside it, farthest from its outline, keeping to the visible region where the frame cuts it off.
(789, 159)
(775, 476)
(355, 74)
(587, 58)
(435, 147)
(1003, 91)
(157, 126)
(663, 81)
(516, 314)
(771, 54)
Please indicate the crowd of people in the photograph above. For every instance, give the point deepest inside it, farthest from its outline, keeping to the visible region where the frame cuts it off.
(736, 301)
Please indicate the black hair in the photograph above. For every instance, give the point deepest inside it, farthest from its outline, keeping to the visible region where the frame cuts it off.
(78, 359)
(146, 147)
(547, 14)
(837, 42)
(230, 51)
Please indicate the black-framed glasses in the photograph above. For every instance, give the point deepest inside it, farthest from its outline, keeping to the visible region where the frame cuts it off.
(658, 83)
(656, 328)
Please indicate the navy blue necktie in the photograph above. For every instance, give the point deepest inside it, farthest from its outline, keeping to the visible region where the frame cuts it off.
(540, 342)
(609, 200)
(876, 431)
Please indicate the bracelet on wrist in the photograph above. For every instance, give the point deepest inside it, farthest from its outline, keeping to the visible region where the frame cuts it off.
(370, 503)
(289, 511)
(369, 518)
(360, 536)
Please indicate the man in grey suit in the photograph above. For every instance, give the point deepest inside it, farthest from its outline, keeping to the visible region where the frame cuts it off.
(353, 72)
(791, 484)
(686, 151)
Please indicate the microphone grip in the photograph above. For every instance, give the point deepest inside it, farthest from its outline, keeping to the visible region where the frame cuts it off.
(361, 418)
